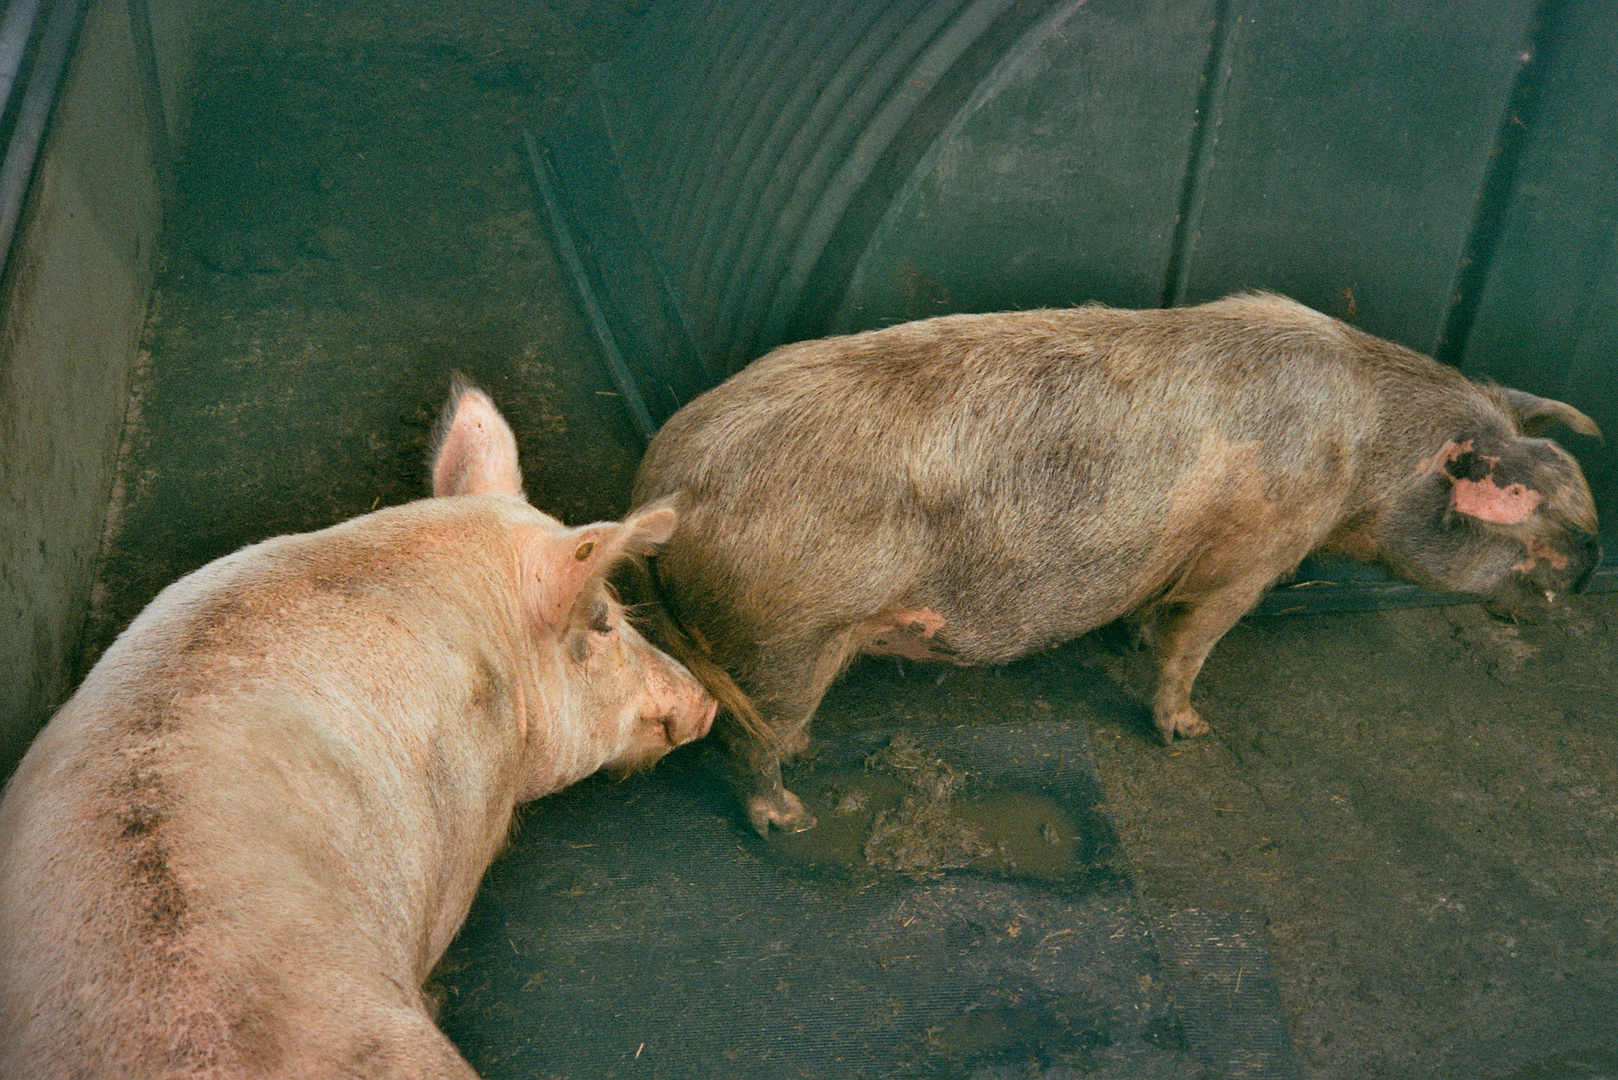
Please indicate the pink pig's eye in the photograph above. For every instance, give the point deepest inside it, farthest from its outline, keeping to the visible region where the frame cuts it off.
(600, 617)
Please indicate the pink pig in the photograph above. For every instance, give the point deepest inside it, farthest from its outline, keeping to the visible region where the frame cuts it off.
(242, 845)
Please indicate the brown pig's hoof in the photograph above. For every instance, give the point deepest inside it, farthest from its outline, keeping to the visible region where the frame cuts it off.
(786, 813)
(1182, 723)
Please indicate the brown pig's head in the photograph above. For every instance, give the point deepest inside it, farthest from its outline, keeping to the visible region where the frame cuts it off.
(595, 694)
(1497, 512)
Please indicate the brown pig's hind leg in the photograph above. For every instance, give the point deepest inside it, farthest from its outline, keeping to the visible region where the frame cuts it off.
(793, 678)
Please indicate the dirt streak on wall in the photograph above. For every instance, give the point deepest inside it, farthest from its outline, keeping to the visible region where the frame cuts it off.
(70, 322)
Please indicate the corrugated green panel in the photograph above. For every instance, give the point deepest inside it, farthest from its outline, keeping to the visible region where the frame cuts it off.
(1547, 312)
(751, 139)
(1443, 176)
(1060, 180)
(1347, 154)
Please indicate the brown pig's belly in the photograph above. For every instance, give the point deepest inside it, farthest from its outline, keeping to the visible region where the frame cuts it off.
(924, 634)
(918, 634)
(919, 631)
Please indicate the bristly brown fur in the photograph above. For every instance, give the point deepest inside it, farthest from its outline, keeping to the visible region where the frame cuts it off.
(683, 645)
(973, 487)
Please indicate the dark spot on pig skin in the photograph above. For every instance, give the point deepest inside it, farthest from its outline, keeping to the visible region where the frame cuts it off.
(258, 1034)
(1470, 466)
(143, 805)
(144, 799)
(1522, 466)
(163, 899)
(488, 687)
(211, 624)
(151, 720)
(356, 568)
(339, 584)
(369, 1058)
(140, 818)
(598, 617)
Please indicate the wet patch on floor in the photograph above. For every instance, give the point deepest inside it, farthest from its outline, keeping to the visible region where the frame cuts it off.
(966, 912)
(907, 810)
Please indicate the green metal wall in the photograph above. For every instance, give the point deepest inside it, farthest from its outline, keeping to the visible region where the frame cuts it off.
(1445, 175)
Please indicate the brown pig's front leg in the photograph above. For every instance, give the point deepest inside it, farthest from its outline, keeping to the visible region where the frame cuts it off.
(1184, 636)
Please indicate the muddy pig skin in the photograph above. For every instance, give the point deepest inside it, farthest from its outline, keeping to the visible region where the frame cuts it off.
(241, 846)
(970, 488)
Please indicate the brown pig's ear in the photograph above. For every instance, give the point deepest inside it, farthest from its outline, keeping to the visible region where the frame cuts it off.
(474, 451)
(1537, 415)
(574, 563)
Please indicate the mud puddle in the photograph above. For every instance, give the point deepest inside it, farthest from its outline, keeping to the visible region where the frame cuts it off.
(907, 810)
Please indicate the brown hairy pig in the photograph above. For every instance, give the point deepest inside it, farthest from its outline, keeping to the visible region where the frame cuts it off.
(241, 846)
(970, 488)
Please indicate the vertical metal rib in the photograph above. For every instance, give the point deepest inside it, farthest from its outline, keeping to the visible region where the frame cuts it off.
(1494, 198)
(33, 117)
(1210, 101)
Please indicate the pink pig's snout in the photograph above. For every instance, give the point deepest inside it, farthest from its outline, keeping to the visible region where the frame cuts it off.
(686, 708)
(672, 709)
(707, 707)
(671, 694)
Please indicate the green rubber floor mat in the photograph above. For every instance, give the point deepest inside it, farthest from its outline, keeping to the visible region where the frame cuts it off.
(963, 909)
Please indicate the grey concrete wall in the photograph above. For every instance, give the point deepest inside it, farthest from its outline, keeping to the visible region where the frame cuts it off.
(70, 327)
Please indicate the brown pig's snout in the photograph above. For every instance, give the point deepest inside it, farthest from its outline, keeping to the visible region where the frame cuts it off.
(1592, 559)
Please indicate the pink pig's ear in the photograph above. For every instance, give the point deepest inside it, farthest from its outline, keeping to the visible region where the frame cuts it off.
(474, 451)
(575, 562)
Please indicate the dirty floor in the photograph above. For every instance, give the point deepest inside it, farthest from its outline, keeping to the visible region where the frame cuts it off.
(1419, 807)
